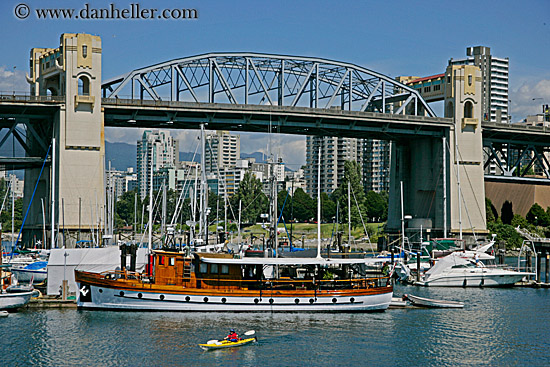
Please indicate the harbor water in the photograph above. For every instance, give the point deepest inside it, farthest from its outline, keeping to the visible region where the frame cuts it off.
(497, 327)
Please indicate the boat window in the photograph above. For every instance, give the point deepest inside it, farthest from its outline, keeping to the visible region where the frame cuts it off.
(214, 268)
(225, 269)
(203, 268)
(172, 261)
(161, 260)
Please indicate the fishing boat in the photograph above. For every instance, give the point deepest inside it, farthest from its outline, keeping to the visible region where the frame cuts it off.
(434, 303)
(220, 282)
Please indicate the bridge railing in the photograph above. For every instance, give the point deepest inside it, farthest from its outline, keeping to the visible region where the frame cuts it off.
(11, 97)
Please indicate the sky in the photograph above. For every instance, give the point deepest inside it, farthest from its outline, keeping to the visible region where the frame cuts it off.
(391, 37)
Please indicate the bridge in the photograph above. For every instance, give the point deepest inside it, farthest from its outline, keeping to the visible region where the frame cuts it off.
(249, 92)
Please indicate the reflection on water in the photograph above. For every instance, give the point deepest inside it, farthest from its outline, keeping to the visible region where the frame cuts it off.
(497, 327)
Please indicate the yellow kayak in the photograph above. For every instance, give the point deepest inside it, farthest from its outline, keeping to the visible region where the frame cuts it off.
(218, 344)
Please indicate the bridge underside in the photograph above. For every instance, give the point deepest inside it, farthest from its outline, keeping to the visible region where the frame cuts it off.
(285, 120)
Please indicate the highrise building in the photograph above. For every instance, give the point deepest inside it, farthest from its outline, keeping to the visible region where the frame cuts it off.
(222, 151)
(158, 148)
(376, 165)
(335, 151)
(494, 73)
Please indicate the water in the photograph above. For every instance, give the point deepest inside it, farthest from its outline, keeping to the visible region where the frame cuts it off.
(497, 327)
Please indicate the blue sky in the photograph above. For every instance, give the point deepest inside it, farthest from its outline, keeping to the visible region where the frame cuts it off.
(390, 37)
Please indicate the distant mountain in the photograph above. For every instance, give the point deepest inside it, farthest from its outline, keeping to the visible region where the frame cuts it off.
(260, 157)
(121, 155)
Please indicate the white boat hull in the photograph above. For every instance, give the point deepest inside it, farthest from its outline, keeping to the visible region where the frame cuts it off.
(25, 275)
(14, 300)
(475, 280)
(95, 297)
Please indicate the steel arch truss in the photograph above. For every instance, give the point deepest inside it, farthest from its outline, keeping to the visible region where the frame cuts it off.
(260, 79)
(516, 160)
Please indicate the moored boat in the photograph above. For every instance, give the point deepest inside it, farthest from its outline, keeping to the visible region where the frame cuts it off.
(10, 301)
(220, 282)
(435, 303)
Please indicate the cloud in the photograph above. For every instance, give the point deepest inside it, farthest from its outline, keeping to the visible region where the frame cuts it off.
(12, 79)
(528, 99)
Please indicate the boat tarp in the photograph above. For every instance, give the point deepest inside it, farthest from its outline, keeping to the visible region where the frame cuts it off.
(288, 261)
(87, 259)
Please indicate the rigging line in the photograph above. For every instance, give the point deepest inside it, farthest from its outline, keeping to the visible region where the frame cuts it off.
(362, 221)
(179, 203)
(30, 203)
(462, 195)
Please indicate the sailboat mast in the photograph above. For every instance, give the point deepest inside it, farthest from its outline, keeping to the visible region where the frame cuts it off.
(13, 213)
(52, 245)
(349, 213)
(203, 225)
(458, 184)
(444, 187)
(319, 206)
(150, 226)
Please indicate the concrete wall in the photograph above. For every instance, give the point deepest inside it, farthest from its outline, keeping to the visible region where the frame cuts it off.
(521, 195)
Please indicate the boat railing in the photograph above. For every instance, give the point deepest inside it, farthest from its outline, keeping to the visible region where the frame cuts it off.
(123, 274)
(302, 284)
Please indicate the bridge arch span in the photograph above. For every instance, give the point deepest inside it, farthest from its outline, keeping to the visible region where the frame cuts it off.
(265, 79)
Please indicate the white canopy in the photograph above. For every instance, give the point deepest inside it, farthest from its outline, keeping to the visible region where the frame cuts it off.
(287, 261)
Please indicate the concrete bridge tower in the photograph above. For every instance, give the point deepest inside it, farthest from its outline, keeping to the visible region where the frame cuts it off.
(463, 102)
(71, 71)
(430, 181)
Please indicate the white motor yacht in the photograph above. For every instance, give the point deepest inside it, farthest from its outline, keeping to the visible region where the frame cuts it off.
(461, 270)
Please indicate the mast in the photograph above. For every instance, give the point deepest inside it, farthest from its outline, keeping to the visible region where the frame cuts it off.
(444, 187)
(13, 213)
(163, 220)
(319, 206)
(52, 245)
(402, 219)
(349, 213)
(150, 233)
(203, 225)
(458, 184)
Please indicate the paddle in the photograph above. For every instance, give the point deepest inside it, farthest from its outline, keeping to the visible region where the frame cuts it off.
(249, 332)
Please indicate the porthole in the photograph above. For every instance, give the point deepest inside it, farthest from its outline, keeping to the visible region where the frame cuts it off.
(205, 299)
(224, 300)
(334, 300)
(296, 301)
(311, 301)
(101, 291)
(121, 293)
(256, 300)
(271, 301)
(187, 299)
(352, 299)
(140, 295)
(161, 297)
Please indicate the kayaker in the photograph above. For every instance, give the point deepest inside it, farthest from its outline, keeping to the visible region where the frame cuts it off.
(232, 337)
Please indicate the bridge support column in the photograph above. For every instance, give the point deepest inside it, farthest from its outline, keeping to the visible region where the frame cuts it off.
(73, 70)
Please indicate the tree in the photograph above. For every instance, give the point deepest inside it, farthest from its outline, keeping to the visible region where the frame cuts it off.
(377, 206)
(352, 174)
(124, 209)
(253, 200)
(328, 208)
(537, 216)
(491, 211)
(518, 220)
(304, 206)
(506, 213)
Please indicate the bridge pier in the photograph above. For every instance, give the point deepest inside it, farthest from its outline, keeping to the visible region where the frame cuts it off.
(73, 72)
(424, 164)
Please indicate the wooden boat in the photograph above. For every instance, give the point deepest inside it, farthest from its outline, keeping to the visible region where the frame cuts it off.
(220, 282)
(215, 344)
(427, 302)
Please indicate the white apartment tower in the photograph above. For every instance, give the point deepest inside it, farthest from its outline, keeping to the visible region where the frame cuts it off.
(222, 151)
(158, 148)
(335, 151)
(494, 71)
